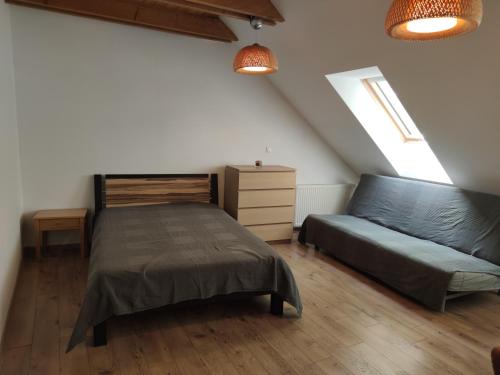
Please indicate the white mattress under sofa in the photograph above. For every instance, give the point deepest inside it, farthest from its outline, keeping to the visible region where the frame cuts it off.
(472, 281)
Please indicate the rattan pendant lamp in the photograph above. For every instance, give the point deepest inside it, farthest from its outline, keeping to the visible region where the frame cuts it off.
(255, 59)
(432, 19)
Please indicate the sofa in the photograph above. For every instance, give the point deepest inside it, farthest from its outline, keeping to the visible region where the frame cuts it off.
(432, 242)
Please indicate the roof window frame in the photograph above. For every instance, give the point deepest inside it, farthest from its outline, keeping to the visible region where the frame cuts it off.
(408, 131)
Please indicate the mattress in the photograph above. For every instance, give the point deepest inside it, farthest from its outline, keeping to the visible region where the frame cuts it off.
(473, 282)
(148, 257)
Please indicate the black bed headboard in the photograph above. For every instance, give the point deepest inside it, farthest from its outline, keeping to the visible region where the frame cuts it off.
(123, 190)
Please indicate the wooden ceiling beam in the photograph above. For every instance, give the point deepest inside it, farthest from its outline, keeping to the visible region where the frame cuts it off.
(203, 8)
(170, 19)
(258, 8)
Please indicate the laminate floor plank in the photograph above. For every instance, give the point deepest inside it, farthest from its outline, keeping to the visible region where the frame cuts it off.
(45, 353)
(206, 344)
(304, 342)
(236, 345)
(16, 361)
(74, 363)
(182, 350)
(331, 366)
(280, 342)
(20, 323)
(351, 325)
(48, 276)
(273, 361)
(101, 360)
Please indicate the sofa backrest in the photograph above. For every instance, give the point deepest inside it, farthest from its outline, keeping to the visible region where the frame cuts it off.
(463, 220)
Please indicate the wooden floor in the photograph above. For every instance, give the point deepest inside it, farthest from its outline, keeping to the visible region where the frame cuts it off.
(350, 325)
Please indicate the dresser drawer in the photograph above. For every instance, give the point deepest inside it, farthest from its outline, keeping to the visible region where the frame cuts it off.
(272, 232)
(59, 224)
(266, 198)
(265, 215)
(267, 180)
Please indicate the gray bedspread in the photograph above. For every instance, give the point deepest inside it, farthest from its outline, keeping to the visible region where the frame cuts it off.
(419, 268)
(148, 257)
(464, 220)
(413, 235)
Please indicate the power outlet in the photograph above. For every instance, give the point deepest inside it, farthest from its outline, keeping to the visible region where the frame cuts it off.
(269, 150)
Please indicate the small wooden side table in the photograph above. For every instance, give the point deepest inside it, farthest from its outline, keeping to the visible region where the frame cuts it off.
(54, 220)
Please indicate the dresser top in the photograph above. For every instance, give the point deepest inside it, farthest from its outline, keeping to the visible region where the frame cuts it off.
(265, 168)
(72, 213)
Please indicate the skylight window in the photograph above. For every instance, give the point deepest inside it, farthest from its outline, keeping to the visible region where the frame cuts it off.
(382, 114)
(387, 98)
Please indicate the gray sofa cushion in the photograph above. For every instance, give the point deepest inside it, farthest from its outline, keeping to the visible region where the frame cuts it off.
(463, 220)
(419, 268)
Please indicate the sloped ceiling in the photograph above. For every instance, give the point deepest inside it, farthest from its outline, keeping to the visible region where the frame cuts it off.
(450, 87)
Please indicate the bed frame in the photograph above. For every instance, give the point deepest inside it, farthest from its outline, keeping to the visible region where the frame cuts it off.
(126, 190)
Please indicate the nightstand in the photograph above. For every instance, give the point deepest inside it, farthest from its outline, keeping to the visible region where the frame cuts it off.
(54, 220)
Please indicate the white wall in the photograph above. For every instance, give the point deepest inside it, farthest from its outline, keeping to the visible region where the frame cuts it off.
(449, 87)
(10, 183)
(97, 97)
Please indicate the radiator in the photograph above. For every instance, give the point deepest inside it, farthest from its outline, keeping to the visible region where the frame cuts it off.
(321, 199)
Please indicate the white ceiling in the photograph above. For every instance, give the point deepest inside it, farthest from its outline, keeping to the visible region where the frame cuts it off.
(450, 87)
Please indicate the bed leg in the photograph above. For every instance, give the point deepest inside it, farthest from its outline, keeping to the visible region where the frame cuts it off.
(276, 304)
(100, 334)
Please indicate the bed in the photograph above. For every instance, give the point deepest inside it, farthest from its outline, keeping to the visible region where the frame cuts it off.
(161, 240)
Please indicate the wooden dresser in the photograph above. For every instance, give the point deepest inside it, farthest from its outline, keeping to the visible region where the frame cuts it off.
(262, 199)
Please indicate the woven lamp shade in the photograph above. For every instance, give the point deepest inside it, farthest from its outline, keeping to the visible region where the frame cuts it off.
(408, 19)
(255, 60)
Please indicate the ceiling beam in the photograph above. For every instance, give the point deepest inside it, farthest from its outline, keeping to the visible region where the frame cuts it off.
(257, 8)
(203, 8)
(170, 19)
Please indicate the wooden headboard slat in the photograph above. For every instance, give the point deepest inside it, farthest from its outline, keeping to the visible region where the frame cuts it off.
(141, 190)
